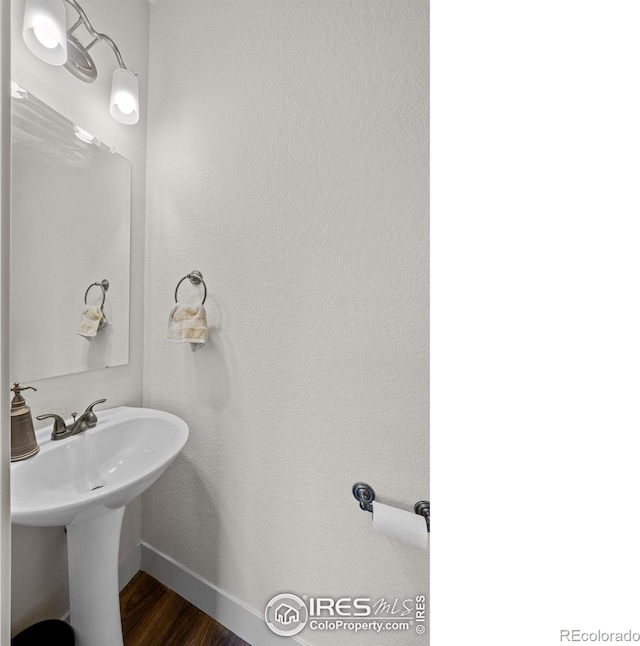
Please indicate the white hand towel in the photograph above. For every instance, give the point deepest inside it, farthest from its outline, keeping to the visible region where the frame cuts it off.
(187, 324)
(91, 321)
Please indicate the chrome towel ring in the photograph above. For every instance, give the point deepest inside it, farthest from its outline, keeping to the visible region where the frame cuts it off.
(195, 277)
(104, 285)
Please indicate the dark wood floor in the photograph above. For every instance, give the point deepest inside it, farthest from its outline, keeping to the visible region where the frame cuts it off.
(153, 615)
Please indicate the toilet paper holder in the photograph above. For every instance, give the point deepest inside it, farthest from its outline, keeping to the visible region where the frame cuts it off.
(365, 495)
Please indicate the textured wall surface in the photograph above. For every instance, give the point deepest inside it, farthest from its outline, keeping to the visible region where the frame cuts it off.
(287, 161)
(40, 584)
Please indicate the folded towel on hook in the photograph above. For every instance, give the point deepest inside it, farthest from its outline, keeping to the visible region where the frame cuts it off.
(92, 321)
(187, 324)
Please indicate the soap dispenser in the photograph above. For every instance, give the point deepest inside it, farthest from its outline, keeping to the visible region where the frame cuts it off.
(23, 436)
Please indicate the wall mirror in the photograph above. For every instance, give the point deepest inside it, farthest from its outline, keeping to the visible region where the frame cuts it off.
(70, 227)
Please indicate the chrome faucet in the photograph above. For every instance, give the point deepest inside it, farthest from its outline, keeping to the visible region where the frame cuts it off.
(88, 419)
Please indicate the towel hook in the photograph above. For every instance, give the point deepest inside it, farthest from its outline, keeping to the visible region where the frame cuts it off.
(104, 285)
(195, 277)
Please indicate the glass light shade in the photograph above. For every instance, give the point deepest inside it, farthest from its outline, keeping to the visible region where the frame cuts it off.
(124, 97)
(44, 30)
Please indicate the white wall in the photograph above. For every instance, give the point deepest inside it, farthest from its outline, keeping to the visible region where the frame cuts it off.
(287, 161)
(40, 588)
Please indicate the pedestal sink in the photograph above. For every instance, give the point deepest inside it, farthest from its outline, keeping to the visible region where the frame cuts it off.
(84, 482)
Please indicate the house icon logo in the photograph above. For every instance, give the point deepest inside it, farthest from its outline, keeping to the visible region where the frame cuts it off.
(286, 614)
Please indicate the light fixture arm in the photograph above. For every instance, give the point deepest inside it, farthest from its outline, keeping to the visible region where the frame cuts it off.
(97, 36)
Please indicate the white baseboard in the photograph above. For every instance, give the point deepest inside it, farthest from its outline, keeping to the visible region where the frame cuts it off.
(224, 608)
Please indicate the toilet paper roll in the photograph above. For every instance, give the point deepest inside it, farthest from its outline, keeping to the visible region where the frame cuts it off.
(400, 524)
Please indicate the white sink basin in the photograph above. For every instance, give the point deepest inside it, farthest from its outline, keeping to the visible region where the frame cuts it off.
(97, 471)
(84, 482)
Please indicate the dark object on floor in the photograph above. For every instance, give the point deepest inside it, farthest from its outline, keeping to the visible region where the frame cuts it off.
(154, 615)
(44, 633)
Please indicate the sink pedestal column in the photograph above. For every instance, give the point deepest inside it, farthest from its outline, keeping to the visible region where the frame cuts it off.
(92, 547)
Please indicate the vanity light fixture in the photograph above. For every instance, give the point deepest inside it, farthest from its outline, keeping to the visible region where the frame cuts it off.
(45, 30)
(45, 33)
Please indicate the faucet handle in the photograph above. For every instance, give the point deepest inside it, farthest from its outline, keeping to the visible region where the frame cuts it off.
(59, 427)
(95, 403)
(92, 419)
